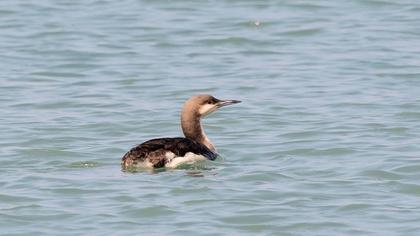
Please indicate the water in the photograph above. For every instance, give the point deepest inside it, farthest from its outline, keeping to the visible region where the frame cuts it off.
(326, 141)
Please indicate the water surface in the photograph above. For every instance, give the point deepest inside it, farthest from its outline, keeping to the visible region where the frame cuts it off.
(326, 141)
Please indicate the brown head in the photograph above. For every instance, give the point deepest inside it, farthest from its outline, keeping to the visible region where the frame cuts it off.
(194, 109)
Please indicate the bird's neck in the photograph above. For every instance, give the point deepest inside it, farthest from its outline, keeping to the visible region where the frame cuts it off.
(192, 129)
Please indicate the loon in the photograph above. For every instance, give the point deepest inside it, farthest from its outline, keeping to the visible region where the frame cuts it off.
(172, 152)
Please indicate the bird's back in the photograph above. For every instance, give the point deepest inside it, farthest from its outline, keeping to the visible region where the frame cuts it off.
(159, 152)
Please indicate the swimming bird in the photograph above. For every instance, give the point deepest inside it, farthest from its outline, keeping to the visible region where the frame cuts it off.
(172, 152)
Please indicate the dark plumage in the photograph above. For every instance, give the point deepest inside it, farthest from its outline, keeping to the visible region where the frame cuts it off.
(170, 152)
(154, 150)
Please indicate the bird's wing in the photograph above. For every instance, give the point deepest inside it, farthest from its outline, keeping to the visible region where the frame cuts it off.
(155, 150)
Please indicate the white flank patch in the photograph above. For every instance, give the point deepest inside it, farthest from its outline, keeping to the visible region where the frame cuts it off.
(189, 158)
(169, 156)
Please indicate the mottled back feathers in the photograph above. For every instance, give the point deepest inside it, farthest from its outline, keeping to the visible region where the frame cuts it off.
(155, 150)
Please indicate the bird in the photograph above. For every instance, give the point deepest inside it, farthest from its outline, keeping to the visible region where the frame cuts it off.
(173, 152)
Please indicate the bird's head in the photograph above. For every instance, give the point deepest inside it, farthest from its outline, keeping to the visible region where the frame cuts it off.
(205, 104)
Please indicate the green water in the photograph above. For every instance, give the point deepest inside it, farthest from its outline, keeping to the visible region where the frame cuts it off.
(325, 142)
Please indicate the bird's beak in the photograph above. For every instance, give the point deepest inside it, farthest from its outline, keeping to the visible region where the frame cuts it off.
(223, 103)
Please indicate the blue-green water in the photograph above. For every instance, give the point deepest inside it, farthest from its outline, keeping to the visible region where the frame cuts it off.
(326, 141)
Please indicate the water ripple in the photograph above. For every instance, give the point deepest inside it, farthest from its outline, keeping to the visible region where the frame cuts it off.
(324, 143)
